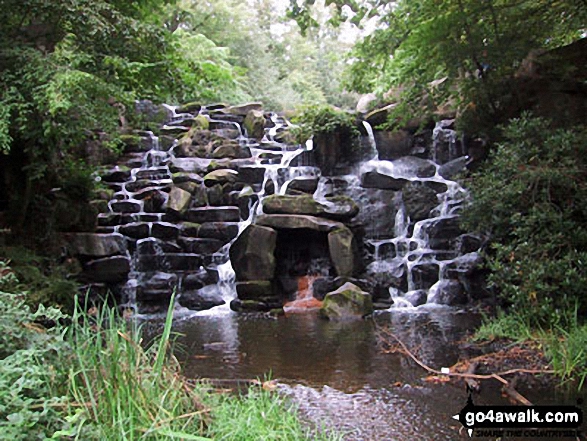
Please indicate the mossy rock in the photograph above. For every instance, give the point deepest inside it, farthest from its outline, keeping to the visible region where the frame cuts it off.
(347, 302)
(192, 107)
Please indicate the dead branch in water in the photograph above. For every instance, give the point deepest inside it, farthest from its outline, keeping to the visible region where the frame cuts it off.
(508, 387)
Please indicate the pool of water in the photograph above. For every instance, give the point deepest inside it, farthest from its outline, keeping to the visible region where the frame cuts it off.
(337, 373)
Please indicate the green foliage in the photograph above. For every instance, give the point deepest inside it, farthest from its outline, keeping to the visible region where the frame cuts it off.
(30, 398)
(323, 119)
(45, 281)
(531, 198)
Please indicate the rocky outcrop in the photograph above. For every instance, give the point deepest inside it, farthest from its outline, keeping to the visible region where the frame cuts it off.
(347, 302)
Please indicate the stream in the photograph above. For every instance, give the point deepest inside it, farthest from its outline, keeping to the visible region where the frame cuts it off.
(337, 375)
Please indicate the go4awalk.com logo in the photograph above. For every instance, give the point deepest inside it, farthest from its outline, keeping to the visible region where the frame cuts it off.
(524, 421)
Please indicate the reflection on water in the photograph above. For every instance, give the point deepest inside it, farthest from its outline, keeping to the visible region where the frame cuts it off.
(335, 371)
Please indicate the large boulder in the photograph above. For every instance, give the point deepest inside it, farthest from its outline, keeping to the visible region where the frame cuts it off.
(347, 302)
(342, 251)
(255, 124)
(375, 179)
(338, 208)
(94, 245)
(113, 269)
(419, 200)
(221, 176)
(252, 254)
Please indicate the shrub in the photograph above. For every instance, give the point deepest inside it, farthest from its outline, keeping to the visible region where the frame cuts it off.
(532, 199)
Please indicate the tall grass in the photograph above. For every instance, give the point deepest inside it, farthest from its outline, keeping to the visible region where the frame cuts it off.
(121, 391)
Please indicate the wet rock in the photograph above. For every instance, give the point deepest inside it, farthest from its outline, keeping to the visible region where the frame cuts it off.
(304, 185)
(393, 145)
(200, 246)
(157, 288)
(260, 290)
(178, 201)
(252, 254)
(342, 251)
(419, 201)
(201, 299)
(94, 245)
(438, 187)
(292, 221)
(347, 302)
(221, 231)
(414, 166)
(153, 201)
(304, 159)
(338, 208)
(198, 279)
(255, 124)
(192, 107)
(117, 174)
(182, 177)
(170, 262)
(252, 175)
(425, 275)
(417, 298)
(254, 305)
(154, 246)
(189, 229)
(213, 214)
(113, 269)
(453, 168)
(379, 116)
(447, 292)
(136, 230)
(125, 207)
(442, 233)
(232, 150)
(164, 230)
(374, 179)
(221, 176)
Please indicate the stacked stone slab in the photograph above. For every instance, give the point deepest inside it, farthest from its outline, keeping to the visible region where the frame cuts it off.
(175, 202)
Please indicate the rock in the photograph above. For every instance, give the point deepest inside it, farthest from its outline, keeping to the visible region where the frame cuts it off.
(251, 175)
(244, 109)
(260, 290)
(125, 207)
(178, 201)
(198, 279)
(192, 107)
(379, 116)
(425, 275)
(189, 229)
(231, 150)
(153, 245)
(202, 299)
(453, 168)
(341, 246)
(347, 302)
(365, 102)
(164, 230)
(183, 177)
(136, 230)
(158, 288)
(200, 246)
(255, 124)
(412, 166)
(113, 269)
(447, 292)
(214, 214)
(419, 201)
(252, 254)
(443, 232)
(292, 221)
(153, 201)
(393, 145)
(94, 245)
(339, 208)
(374, 179)
(117, 174)
(221, 176)
(222, 231)
(254, 305)
(304, 185)
(417, 298)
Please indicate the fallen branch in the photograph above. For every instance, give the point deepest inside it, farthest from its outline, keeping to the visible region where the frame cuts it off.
(513, 394)
(472, 376)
